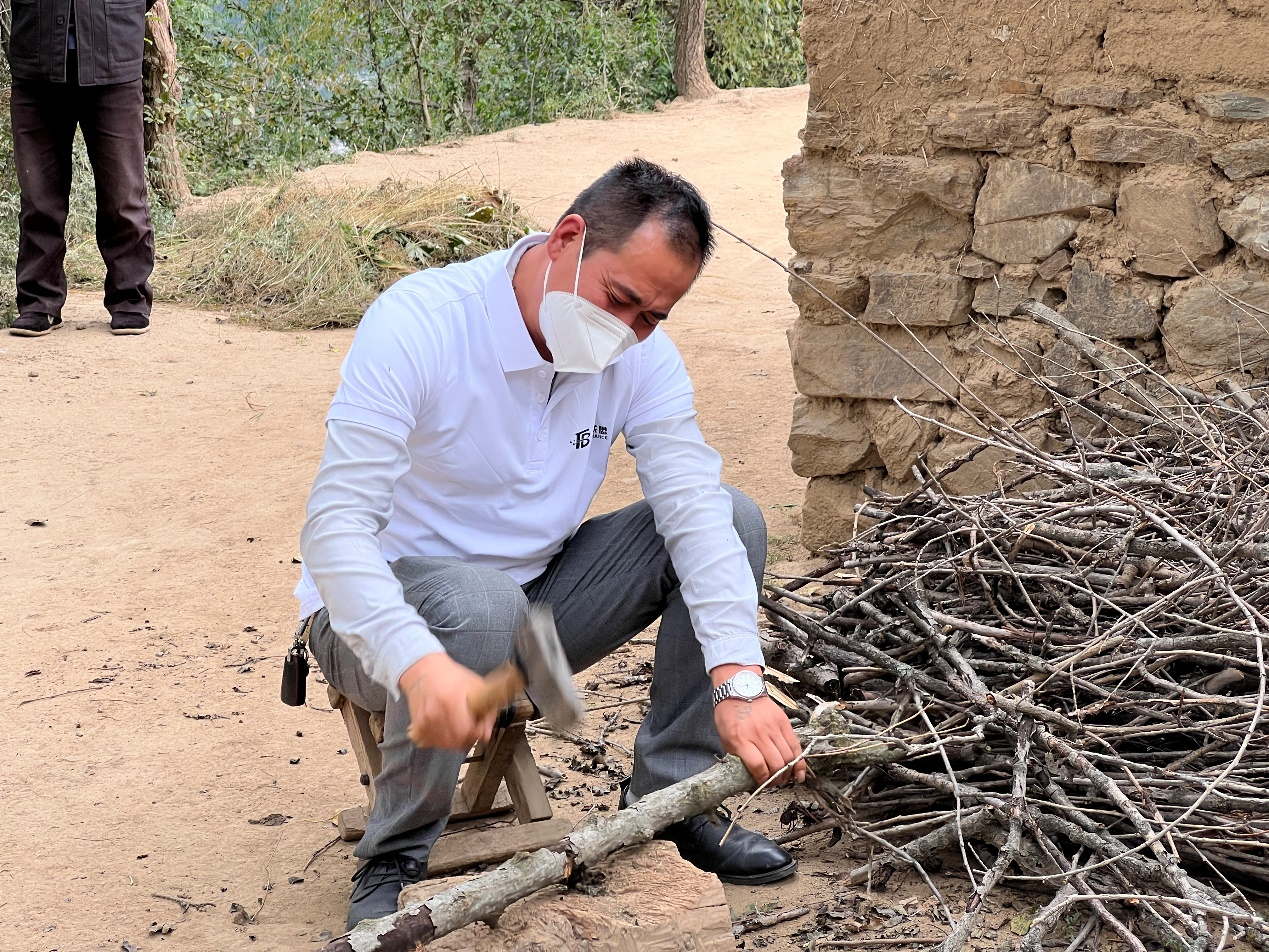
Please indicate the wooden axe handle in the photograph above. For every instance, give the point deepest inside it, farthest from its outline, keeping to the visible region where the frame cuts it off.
(500, 688)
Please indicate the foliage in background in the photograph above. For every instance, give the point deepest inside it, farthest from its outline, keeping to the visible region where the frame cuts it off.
(300, 257)
(275, 85)
(754, 42)
(272, 85)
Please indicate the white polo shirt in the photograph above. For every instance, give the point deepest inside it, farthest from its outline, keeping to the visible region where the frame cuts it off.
(502, 468)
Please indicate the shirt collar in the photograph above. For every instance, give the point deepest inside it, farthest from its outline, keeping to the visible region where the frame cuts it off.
(511, 337)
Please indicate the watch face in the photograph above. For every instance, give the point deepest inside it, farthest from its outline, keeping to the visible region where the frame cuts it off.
(748, 685)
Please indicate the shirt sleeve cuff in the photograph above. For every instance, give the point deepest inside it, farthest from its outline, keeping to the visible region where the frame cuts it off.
(394, 657)
(733, 649)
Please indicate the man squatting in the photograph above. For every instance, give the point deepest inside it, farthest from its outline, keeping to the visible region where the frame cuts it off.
(468, 436)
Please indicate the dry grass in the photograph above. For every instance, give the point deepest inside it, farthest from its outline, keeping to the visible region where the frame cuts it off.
(299, 257)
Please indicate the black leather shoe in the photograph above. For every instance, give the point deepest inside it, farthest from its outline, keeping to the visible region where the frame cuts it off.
(378, 882)
(34, 325)
(746, 859)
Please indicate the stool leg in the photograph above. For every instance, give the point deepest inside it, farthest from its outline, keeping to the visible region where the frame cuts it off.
(524, 783)
(361, 737)
(480, 785)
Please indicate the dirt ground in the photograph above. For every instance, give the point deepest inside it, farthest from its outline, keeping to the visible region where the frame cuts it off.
(152, 494)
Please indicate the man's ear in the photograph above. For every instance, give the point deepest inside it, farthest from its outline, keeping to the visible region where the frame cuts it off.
(570, 229)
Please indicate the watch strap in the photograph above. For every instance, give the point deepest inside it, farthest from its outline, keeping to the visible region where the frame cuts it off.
(727, 690)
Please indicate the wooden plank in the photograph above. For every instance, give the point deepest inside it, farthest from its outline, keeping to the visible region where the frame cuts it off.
(458, 850)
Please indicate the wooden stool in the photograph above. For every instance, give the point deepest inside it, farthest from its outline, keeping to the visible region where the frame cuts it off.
(501, 777)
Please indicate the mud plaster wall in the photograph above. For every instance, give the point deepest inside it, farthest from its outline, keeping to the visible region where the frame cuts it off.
(1108, 158)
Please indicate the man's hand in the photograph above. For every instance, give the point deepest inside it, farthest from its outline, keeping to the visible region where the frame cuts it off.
(436, 688)
(758, 732)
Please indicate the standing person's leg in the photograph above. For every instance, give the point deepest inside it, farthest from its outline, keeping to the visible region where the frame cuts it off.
(611, 581)
(114, 131)
(474, 612)
(43, 117)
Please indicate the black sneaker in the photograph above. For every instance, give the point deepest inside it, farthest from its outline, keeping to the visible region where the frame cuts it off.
(34, 325)
(746, 859)
(129, 323)
(378, 882)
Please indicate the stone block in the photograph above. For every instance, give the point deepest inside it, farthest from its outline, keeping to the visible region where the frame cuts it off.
(1003, 292)
(1165, 221)
(899, 437)
(846, 360)
(828, 513)
(918, 299)
(1103, 97)
(1054, 265)
(1015, 189)
(1238, 104)
(829, 437)
(1026, 212)
(881, 207)
(1069, 370)
(1025, 240)
(980, 475)
(1113, 140)
(1248, 224)
(1242, 160)
(843, 287)
(974, 267)
(993, 126)
(950, 182)
(1218, 330)
(998, 367)
(1107, 308)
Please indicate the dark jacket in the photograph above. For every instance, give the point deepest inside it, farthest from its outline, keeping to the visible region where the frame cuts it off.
(109, 40)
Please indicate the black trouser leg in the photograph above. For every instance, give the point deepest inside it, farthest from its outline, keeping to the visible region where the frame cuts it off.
(43, 132)
(44, 119)
(111, 119)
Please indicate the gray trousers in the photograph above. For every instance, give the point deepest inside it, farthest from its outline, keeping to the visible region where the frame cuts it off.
(612, 580)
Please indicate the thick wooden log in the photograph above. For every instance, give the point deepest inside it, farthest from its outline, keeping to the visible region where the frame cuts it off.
(486, 897)
(675, 906)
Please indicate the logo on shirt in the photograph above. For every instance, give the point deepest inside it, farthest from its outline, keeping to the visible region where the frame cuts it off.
(582, 438)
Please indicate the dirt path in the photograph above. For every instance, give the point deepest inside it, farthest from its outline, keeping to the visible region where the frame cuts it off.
(145, 615)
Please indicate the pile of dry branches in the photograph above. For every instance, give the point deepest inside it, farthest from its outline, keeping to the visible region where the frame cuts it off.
(1098, 624)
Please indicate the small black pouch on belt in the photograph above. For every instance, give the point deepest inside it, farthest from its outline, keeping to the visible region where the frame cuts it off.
(295, 667)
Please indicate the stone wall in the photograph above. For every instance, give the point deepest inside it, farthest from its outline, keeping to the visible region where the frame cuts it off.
(1107, 157)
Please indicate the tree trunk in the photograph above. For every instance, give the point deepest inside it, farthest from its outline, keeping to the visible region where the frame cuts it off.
(162, 103)
(691, 77)
(469, 80)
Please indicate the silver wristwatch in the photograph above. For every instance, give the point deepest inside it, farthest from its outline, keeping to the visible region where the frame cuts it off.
(743, 684)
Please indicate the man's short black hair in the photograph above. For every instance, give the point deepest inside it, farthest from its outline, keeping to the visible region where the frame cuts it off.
(631, 192)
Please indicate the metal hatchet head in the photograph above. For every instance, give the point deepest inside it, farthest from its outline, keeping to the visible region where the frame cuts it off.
(547, 674)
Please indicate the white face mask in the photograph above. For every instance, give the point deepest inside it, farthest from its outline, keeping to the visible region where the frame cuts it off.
(583, 338)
